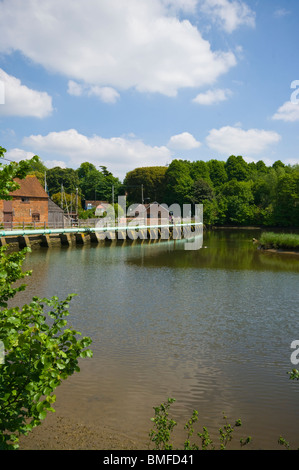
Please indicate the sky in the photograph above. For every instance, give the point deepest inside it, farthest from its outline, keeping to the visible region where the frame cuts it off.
(133, 83)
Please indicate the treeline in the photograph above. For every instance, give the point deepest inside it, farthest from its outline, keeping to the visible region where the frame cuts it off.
(233, 192)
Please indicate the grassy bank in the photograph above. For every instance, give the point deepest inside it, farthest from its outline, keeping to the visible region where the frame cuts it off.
(283, 241)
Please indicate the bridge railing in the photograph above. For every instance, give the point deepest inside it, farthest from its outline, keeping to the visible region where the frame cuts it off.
(81, 223)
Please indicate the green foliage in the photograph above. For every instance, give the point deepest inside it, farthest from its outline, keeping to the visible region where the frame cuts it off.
(233, 192)
(164, 426)
(40, 349)
(8, 173)
(96, 184)
(286, 200)
(68, 201)
(161, 434)
(10, 272)
(236, 168)
(217, 172)
(279, 240)
(88, 214)
(179, 183)
(40, 352)
(148, 181)
(62, 176)
(294, 374)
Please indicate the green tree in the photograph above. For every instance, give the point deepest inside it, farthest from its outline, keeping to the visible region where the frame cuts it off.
(278, 164)
(236, 168)
(62, 176)
(217, 173)
(97, 184)
(40, 350)
(202, 191)
(199, 170)
(8, 173)
(286, 201)
(67, 201)
(38, 169)
(239, 202)
(179, 183)
(146, 181)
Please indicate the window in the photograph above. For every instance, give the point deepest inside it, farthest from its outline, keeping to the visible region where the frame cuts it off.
(35, 217)
(25, 199)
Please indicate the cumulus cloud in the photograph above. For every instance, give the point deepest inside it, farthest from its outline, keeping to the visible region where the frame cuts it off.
(281, 12)
(187, 6)
(16, 155)
(230, 14)
(119, 154)
(19, 100)
(183, 141)
(53, 163)
(212, 97)
(137, 44)
(288, 112)
(105, 94)
(234, 140)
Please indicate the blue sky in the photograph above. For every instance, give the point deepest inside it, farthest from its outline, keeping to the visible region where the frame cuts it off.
(131, 83)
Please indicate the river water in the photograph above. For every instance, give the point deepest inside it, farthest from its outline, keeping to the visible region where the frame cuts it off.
(211, 328)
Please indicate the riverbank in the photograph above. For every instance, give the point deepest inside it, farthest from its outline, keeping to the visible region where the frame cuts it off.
(279, 242)
(59, 432)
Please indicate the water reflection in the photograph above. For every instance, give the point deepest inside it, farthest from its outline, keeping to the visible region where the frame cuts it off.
(211, 327)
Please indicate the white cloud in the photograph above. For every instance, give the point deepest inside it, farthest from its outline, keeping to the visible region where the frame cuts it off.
(75, 88)
(187, 6)
(183, 141)
(236, 141)
(288, 112)
(280, 12)
(212, 97)
(231, 14)
(136, 44)
(119, 154)
(53, 163)
(19, 100)
(105, 94)
(16, 155)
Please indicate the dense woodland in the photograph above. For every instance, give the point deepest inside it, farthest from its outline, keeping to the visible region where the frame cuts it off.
(233, 192)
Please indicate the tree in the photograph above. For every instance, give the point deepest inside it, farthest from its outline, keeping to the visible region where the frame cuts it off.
(278, 164)
(217, 173)
(67, 201)
(148, 182)
(202, 191)
(179, 183)
(239, 202)
(40, 350)
(286, 201)
(8, 173)
(96, 184)
(38, 169)
(200, 170)
(62, 176)
(236, 168)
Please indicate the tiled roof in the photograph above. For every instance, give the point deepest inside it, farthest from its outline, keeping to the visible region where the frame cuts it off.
(54, 207)
(29, 187)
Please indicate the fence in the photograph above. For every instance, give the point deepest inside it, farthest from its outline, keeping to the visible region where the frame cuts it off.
(48, 225)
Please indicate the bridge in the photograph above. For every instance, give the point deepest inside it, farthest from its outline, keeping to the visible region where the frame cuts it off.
(80, 235)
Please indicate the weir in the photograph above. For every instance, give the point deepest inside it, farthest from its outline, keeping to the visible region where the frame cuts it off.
(80, 235)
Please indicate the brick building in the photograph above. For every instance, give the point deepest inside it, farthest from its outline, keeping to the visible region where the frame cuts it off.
(29, 204)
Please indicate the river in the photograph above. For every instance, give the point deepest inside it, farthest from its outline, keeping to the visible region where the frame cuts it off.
(211, 328)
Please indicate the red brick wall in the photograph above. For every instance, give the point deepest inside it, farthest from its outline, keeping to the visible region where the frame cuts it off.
(23, 211)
